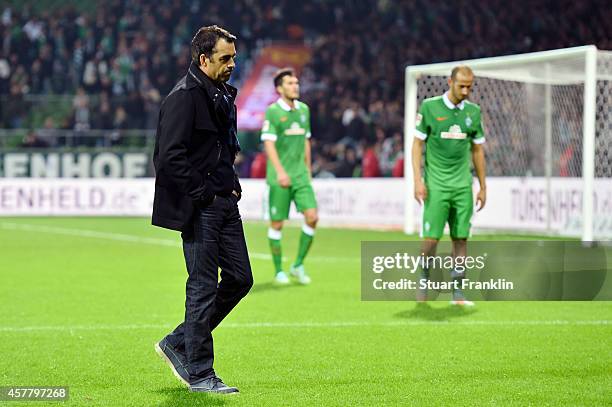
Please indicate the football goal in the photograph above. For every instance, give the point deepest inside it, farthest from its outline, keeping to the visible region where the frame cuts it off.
(548, 126)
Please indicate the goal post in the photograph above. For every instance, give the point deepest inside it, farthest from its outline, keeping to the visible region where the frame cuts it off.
(548, 124)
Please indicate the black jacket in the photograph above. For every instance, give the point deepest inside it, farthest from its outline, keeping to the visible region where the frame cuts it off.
(195, 122)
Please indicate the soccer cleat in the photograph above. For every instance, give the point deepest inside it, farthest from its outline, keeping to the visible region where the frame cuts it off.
(174, 359)
(459, 299)
(212, 384)
(463, 303)
(281, 278)
(299, 273)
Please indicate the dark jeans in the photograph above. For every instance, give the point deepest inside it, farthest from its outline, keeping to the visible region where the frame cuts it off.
(217, 241)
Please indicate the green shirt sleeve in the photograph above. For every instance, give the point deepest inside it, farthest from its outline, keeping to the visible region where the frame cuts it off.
(308, 131)
(268, 128)
(422, 123)
(478, 134)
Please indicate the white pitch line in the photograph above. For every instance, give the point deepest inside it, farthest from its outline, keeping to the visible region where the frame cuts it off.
(122, 237)
(298, 325)
(89, 233)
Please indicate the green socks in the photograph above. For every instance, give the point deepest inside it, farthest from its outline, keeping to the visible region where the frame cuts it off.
(274, 238)
(305, 242)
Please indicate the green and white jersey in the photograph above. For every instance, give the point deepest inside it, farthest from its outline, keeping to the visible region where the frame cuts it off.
(288, 128)
(448, 131)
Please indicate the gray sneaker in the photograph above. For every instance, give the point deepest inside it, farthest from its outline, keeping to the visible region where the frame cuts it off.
(212, 384)
(458, 296)
(175, 360)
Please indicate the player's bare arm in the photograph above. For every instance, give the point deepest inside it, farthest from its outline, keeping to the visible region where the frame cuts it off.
(420, 190)
(478, 158)
(282, 177)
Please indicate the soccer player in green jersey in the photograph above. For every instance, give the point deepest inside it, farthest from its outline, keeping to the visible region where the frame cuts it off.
(286, 137)
(451, 129)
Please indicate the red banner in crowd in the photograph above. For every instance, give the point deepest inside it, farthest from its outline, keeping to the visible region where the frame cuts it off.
(258, 90)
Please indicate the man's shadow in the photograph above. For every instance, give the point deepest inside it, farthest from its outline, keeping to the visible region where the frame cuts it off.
(426, 312)
(271, 286)
(181, 396)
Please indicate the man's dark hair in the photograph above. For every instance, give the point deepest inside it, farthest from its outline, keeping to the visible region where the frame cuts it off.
(280, 74)
(205, 40)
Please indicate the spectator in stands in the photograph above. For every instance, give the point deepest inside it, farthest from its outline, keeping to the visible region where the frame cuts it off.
(348, 166)
(5, 73)
(370, 166)
(15, 112)
(391, 151)
(120, 119)
(31, 140)
(81, 115)
(49, 133)
(103, 117)
(151, 98)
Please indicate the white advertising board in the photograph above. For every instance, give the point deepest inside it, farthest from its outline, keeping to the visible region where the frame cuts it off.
(512, 203)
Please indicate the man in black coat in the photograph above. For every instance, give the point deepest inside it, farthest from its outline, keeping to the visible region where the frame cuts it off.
(197, 192)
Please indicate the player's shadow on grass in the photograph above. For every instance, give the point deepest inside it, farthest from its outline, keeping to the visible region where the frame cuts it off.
(271, 286)
(181, 396)
(426, 312)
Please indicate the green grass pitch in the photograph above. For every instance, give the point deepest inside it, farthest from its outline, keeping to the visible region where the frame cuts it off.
(83, 300)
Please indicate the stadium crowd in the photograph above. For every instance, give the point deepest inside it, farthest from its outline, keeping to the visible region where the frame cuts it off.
(119, 58)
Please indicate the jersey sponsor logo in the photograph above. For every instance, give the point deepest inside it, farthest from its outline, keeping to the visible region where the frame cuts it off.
(266, 126)
(442, 118)
(295, 130)
(454, 133)
(419, 118)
